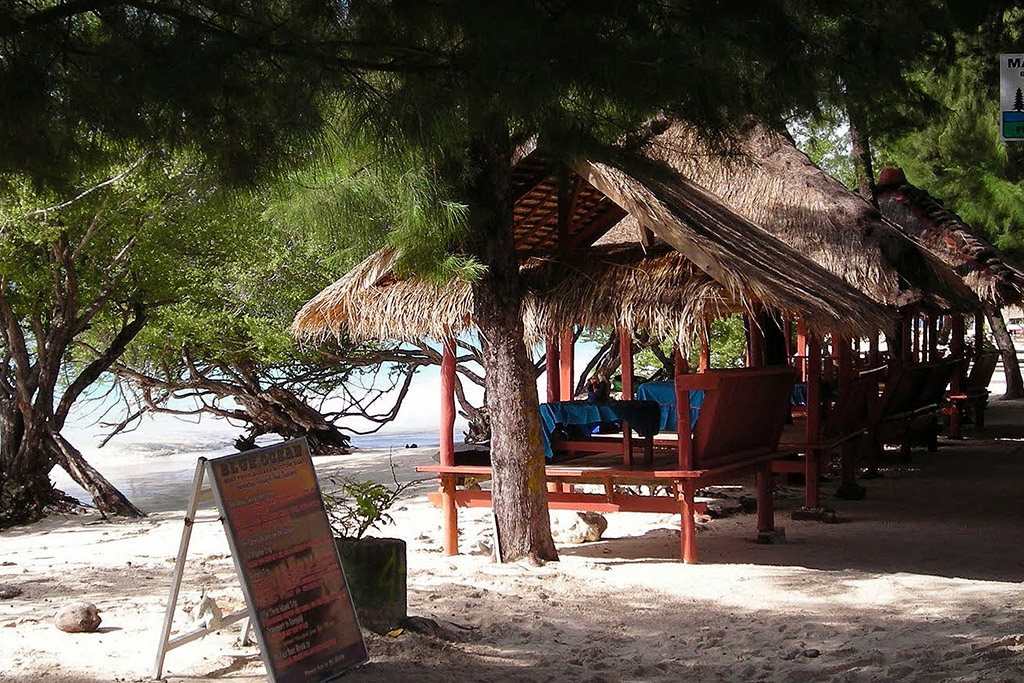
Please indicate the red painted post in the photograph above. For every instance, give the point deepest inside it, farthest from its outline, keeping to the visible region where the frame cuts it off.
(566, 361)
(626, 362)
(813, 427)
(688, 536)
(847, 452)
(551, 368)
(450, 513)
(684, 440)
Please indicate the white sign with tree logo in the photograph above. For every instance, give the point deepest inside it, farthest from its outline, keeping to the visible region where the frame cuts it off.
(1011, 97)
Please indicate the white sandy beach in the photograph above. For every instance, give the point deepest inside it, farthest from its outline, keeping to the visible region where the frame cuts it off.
(922, 581)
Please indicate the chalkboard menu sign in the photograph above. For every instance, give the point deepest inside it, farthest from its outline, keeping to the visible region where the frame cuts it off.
(289, 566)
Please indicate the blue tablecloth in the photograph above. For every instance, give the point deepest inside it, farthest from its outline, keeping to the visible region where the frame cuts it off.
(665, 395)
(580, 418)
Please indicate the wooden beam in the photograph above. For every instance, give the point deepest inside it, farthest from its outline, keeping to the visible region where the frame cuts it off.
(564, 210)
(598, 226)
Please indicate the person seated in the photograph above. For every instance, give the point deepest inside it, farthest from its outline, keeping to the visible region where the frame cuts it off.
(598, 389)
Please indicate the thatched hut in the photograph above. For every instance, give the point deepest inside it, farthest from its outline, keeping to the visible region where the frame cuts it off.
(762, 176)
(983, 268)
(691, 258)
(986, 270)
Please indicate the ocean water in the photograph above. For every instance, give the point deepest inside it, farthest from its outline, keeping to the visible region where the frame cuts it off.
(154, 466)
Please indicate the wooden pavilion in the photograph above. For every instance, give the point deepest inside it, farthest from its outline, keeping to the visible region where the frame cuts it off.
(688, 258)
(989, 274)
(761, 175)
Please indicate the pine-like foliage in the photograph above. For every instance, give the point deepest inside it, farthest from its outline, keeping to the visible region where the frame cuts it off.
(958, 156)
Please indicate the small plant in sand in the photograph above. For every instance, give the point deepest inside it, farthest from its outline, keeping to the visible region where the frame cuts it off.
(355, 507)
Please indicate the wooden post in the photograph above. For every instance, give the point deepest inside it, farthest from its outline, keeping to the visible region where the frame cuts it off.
(787, 329)
(801, 348)
(906, 343)
(450, 513)
(916, 349)
(685, 492)
(957, 343)
(874, 357)
(765, 504)
(755, 342)
(551, 369)
(704, 364)
(684, 447)
(813, 427)
(979, 333)
(933, 338)
(626, 361)
(566, 361)
(847, 452)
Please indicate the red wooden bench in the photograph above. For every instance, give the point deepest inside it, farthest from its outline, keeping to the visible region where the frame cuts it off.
(975, 387)
(846, 421)
(736, 433)
(907, 412)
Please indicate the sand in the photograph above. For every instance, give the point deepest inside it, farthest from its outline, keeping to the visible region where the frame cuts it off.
(919, 582)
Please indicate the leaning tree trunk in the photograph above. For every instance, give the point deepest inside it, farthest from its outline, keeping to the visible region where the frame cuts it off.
(1011, 367)
(279, 411)
(518, 486)
(105, 496)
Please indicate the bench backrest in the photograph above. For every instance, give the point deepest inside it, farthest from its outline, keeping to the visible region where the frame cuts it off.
(914, 386)
(981, 372)
(743, 412)
(852, 409)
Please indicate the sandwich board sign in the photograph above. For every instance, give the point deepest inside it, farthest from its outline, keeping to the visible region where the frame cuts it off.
(1011, 97)
(291, 574)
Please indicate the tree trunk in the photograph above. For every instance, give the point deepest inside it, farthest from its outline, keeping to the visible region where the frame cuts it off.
(25, 488)
(281, 412)
(862, 165)
(1011, 367)
(105, 496)
(517, 458)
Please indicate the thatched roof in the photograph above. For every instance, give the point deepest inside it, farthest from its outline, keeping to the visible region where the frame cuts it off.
(764, 177)
(719, 262)
(984, 268)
